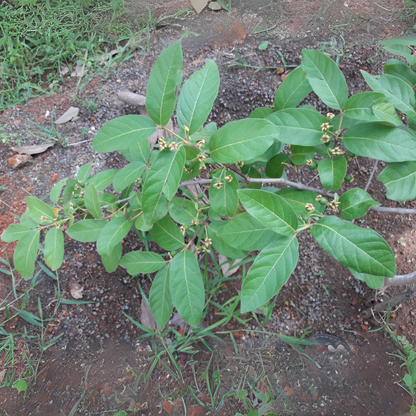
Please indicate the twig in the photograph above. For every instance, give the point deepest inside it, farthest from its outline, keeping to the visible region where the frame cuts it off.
(74, 409)
(74, 144)
(196, 235)
(302, 187)
(400, 280)
(371, 175)
(393, 301)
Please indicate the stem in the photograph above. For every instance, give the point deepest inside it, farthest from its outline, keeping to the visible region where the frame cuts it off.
(302, 187)
(196, 235)
(371, 175)
(399, 280)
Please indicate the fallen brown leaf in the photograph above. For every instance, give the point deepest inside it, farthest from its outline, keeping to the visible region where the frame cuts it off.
(146, 318)
(32, 150)
(199, 5)
(68, 115)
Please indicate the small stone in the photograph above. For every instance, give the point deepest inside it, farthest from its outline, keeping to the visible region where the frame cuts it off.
(17, 161)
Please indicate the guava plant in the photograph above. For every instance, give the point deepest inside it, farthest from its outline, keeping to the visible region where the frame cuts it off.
(232, 163)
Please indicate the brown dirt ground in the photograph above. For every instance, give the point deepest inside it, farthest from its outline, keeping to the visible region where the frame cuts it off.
(360, 383)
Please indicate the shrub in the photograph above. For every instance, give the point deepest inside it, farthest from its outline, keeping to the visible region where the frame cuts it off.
(241, 216)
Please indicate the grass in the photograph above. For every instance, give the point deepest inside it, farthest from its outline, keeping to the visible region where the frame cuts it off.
(21, 352)
(39, 39)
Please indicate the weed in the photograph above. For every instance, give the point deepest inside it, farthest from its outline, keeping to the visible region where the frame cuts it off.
(336, 48)
(7, 138)
(242, 62)
(92, 106)
(21, 353)
(224, 6)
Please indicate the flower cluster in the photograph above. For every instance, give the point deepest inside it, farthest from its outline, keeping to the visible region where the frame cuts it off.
(337, 151)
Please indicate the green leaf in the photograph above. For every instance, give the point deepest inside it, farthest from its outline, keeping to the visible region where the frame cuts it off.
(166, 233)
(25, 254)
(139, 152)
(38, 209)
(112, 260)
(92, 202)
(128, 175)
(399, 47)
(332, 172)
(246, 233)
(223, 193)
(103, 179)
(371, 106)
(253, 173)
(197, 97)
(57, 189)
(380, 141)
(54, 248)
(220, 245)
(183, 211)
(300, 126)
(269, 272)
(326, 79)
(270, 209)
(159, 298)
(274, 149)
(301, 154)
(263, 45)
(276, 165)
(294, 89)
(355, 203)
(399, 69)
(14, 232)
(162, 178)
(20, 385)
(298, 199)
(242, 140)
(397, 91)
(69, 190)
(112, 233)
(122, 413)
(84, 172)
(373, 282)
(360, 249)
(165, 79)
(186, 287)
(86, 231)
(142, 262)
(123, 132)
(107, 199)
(261, 112)
(205, 133)
(400, 181)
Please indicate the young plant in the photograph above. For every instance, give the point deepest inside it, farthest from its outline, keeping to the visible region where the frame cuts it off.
(240, 216)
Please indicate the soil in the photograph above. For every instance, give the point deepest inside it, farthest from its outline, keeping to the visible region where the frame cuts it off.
(98, 365)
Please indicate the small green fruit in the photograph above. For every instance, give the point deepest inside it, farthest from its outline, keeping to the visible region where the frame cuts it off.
(200, 196)
(351, 154)
(349, 178)
(323, 201)
(187, 164)
(313, 166)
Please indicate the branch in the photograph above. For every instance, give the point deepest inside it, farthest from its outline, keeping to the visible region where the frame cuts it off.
(399, 280)
(391, 302)
(300, 186)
